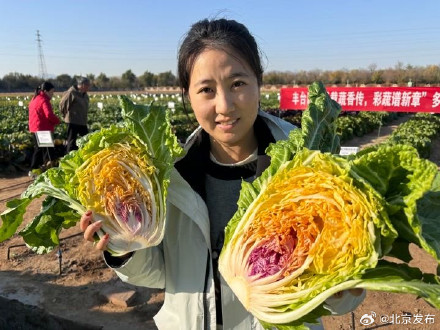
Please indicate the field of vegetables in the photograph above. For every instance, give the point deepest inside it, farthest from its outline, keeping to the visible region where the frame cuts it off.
(16, 142)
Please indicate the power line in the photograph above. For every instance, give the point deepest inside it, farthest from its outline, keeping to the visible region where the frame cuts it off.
(41, 63)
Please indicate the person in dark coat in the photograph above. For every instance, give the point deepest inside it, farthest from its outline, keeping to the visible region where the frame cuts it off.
(74, 106)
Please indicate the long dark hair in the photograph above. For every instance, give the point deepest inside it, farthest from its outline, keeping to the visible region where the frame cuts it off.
(221, 34)
(45, 87)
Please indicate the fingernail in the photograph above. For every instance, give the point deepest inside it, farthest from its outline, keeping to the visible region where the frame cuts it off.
(98, 223)
(89, 212)
(106, 236)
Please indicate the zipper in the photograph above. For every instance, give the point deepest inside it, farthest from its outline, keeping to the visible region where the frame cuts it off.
(205, 293)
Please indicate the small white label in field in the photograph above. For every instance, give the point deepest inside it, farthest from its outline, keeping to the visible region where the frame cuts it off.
(348, 150)
(100, 105)
(44, 139)
(171, 105)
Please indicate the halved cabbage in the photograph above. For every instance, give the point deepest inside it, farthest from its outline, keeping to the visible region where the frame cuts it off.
(309, 229)
(121, 173)
(315, 223)
(123, 191)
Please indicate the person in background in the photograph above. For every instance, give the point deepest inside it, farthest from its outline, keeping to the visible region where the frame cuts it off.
(220, 75)
(41, 118)
(74, 106)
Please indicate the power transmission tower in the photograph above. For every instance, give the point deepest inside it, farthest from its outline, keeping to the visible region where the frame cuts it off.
(42, 64)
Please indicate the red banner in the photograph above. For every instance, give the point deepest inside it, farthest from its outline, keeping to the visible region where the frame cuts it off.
(400, 99)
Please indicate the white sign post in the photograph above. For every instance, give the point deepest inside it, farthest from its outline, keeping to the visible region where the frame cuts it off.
(44, 139)
(348, 150)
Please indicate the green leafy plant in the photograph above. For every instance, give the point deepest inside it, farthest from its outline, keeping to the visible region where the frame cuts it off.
(417, 132)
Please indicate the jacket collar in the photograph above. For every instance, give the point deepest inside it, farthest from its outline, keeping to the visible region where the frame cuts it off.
(198, 147)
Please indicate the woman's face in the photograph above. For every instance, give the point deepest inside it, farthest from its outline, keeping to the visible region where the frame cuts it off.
(224, 95)
(50, 92)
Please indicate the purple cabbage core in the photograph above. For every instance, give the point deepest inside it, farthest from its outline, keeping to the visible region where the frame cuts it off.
(272, 256)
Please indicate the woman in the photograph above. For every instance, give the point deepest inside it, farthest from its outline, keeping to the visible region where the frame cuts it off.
(220, 75)
(41, 118)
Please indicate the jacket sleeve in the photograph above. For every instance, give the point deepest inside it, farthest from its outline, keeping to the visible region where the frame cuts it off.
(144, 268)
(48, 113)
(345, 303)
(65, 102)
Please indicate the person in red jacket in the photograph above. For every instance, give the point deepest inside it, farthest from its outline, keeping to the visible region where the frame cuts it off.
(41, 118)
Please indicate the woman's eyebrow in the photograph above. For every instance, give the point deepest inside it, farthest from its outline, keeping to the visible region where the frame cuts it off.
(238, 75)
(231, 76)
(203, 82)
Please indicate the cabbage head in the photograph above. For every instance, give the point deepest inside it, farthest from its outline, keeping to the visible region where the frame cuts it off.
(316, 223)
(121, 173)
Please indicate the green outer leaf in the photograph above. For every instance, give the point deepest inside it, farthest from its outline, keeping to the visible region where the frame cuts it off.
(318, 123)
(310, 318)
(400, 250)
(13, 217)
(400, 278)
(386, 276)
(428, 211)
(54, 216)
(152, 125)
(411, 187)
(156, 131)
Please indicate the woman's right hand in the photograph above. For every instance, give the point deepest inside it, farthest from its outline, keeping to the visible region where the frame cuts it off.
(90, 229)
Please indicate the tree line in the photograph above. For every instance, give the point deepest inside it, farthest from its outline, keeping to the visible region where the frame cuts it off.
(399, 74)
(17, 82)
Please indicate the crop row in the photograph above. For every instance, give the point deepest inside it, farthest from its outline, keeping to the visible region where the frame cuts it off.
(16, 142)
(419, 132)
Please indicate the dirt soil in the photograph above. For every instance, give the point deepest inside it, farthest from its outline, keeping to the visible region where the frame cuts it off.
(75, 287)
